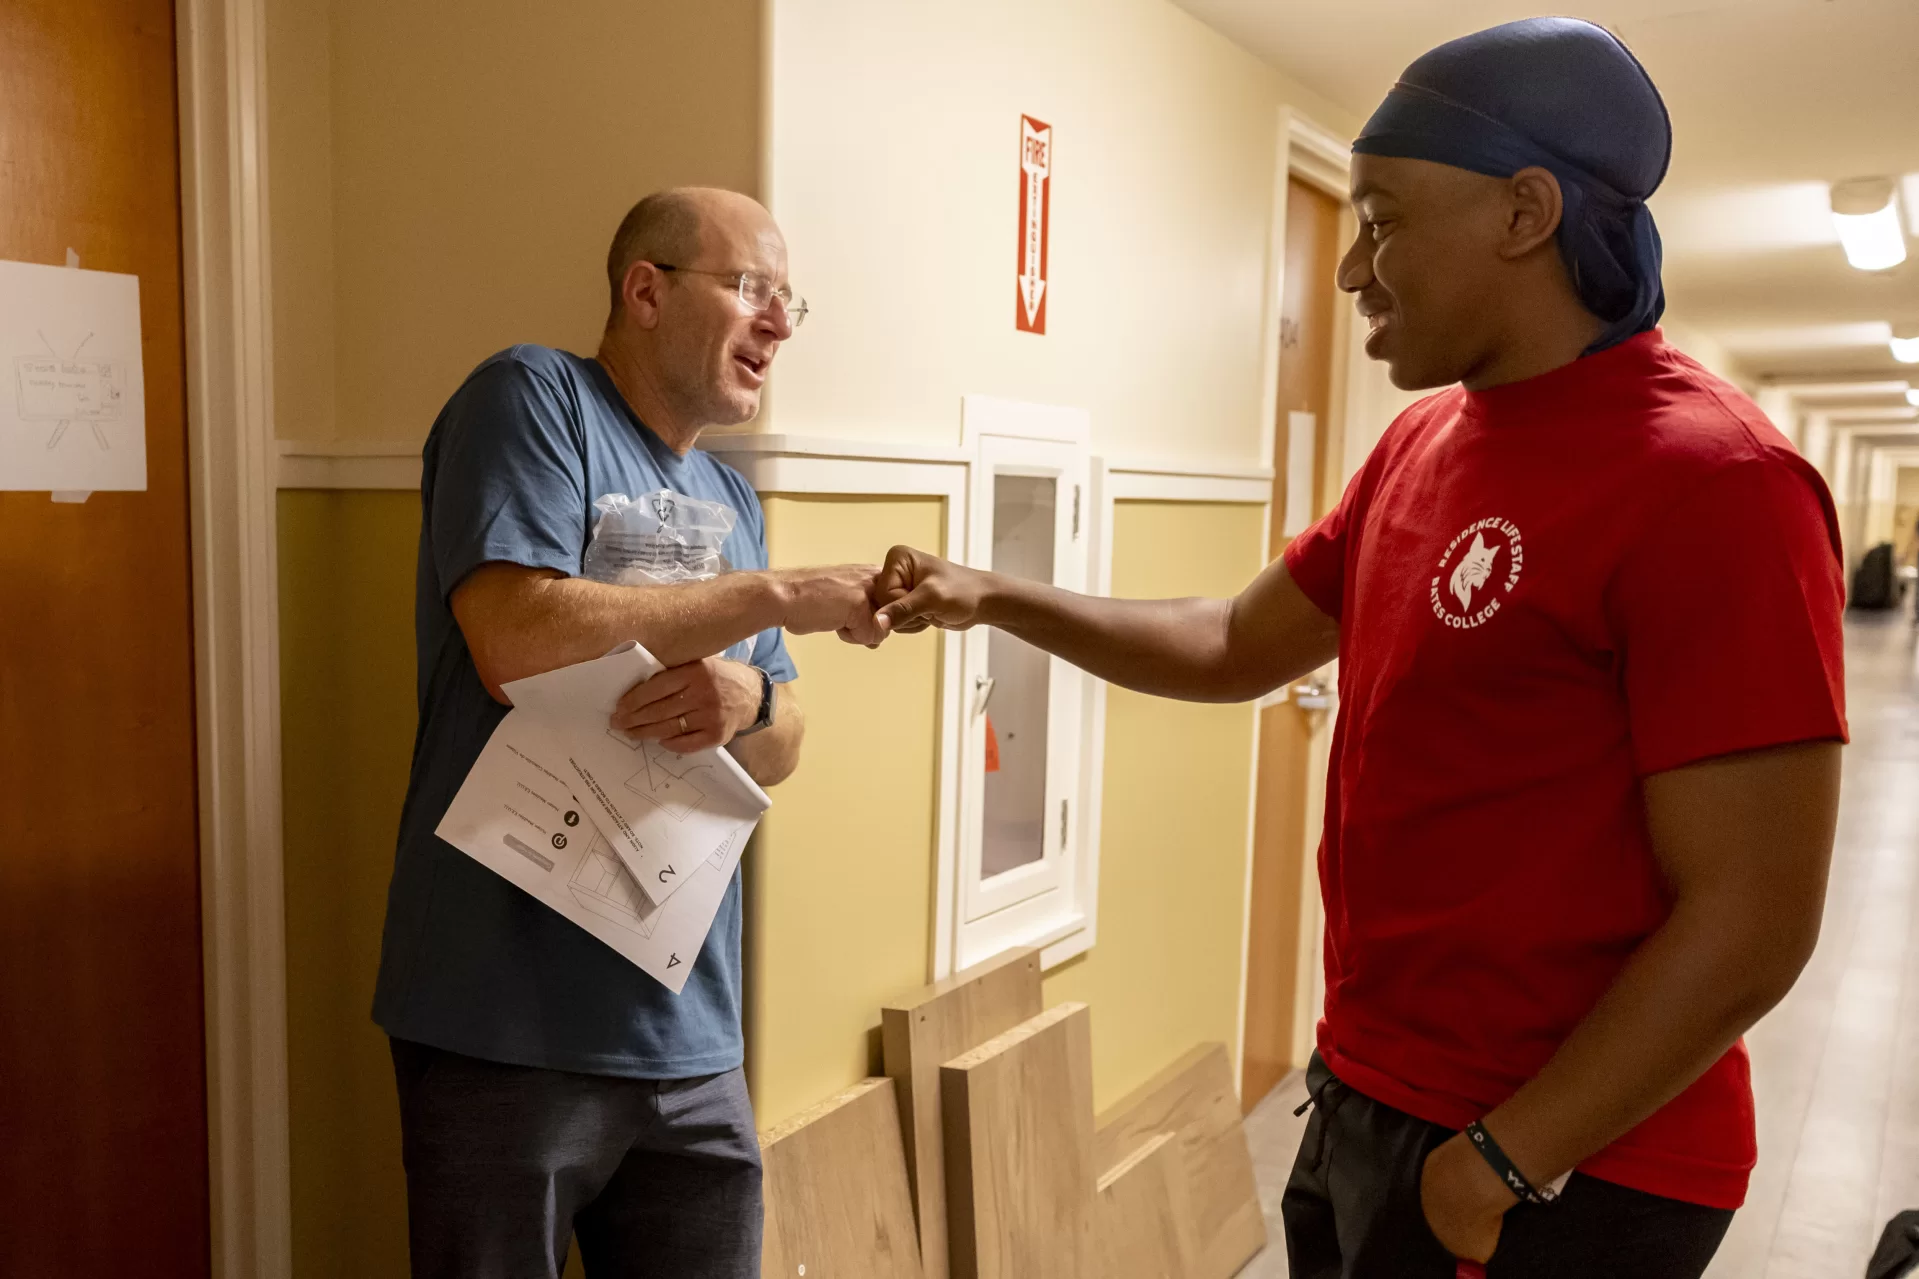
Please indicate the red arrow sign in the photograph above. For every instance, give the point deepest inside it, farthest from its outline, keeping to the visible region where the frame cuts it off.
(1035, 191)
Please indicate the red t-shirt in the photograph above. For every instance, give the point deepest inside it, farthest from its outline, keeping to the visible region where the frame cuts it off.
(1547, 591)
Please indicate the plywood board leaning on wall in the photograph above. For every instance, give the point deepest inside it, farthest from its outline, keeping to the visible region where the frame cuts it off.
(1194, 1098)
(1145, 1218)
(921, 1032)
(1020, 1179)
(836, 1198)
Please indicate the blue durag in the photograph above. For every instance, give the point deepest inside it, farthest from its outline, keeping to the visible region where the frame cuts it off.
(1567, 96)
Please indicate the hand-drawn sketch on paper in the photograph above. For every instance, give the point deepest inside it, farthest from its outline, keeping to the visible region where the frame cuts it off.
(74, 415)
(66, 389)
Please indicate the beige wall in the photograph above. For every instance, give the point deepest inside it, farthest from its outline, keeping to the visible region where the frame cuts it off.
(445, 181)
(894, 173)
(1891, 490)
(1905, 512)
(299, 38)
(1172, 876)
(1708, 350)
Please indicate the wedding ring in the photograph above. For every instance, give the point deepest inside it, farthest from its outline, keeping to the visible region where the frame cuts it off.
(682, 723)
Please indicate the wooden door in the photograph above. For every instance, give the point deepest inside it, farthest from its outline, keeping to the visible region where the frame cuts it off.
(1280, 865)
(103, 1133)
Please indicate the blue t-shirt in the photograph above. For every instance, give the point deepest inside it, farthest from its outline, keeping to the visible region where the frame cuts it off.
(470, 963)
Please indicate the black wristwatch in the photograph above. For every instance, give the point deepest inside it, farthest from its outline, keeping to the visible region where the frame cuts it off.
(765, 718)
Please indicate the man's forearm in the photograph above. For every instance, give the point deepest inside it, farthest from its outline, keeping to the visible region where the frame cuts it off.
(1169, 648)
(770, 755)
(1690, 990)
(547, 622)
(1197, 650)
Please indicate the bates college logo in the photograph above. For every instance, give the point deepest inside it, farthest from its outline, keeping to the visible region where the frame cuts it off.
(1480, 567)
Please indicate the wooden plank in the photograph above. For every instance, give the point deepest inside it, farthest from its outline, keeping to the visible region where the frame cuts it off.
(923, 1031)
(836, 1198)
(1145, 1216)
(1194, 1098)
(1020, 1179)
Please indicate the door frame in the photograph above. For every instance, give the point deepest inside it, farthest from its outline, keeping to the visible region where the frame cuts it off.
(221, 70)
(1317, 156)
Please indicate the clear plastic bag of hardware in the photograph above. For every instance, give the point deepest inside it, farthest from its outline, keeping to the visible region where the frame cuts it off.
(657, 538)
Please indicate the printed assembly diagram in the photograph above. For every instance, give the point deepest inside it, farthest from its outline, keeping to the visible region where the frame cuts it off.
(662, 812)
(517, 815)
(605, 887)
(675, 784)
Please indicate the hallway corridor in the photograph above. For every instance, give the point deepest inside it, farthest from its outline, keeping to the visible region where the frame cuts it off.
(1836, 1065)
(1833, 1065)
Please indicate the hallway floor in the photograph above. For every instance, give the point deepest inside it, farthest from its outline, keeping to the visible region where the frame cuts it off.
(1836, 1065)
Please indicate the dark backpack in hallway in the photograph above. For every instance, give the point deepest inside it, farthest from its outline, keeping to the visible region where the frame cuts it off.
(1898, 1249)
(1872, 581)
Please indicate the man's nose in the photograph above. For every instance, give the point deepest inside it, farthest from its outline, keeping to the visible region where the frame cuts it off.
(776, 321)
(1356, 268)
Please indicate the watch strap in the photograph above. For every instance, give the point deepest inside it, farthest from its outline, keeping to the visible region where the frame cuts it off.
(765, 717)
(1508, 1171)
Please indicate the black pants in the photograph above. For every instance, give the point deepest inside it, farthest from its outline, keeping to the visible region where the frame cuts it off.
(1352, 1209)
(659, 1177)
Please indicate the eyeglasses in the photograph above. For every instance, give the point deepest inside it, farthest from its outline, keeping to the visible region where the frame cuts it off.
(757, 291)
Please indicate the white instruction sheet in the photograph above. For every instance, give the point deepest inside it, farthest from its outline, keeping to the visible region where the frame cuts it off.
(518, 817)
(663, 813)
(73, 411)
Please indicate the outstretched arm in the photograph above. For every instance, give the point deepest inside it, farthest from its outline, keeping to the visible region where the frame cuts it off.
(522, 621)
(1196, 650)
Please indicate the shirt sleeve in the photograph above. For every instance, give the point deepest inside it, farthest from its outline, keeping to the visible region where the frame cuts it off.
(1316, 558)
(509, 481)
(1729, 617)
(769, 646)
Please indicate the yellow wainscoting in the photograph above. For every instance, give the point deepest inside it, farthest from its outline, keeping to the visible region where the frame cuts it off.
(839, 883)
(1173, 842)
(346, 724)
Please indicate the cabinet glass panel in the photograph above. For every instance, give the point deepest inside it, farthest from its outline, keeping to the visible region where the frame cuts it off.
(1024, 529)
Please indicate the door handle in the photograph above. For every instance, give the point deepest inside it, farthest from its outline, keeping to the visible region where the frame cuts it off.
(1312, 695)
(983, 686)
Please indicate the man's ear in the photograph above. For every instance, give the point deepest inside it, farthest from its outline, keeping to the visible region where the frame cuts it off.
(1536, 208)
(640, 293)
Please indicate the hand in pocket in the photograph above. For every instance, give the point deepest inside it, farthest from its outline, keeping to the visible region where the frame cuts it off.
(1464, 1201)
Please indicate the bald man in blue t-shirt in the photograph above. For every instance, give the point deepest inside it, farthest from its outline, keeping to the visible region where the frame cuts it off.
(546, 1084)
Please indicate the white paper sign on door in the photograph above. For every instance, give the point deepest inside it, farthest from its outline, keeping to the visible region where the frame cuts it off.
(73, 409)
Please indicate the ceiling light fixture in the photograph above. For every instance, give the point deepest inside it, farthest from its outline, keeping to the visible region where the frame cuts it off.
(1905, 344)
(1866, 213)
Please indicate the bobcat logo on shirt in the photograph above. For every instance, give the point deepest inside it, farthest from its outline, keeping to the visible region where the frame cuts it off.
(1480, 567)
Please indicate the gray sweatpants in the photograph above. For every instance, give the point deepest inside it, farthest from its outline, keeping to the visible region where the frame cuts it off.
(660, 1178)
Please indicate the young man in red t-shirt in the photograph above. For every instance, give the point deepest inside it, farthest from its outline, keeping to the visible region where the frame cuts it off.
(1586, 605)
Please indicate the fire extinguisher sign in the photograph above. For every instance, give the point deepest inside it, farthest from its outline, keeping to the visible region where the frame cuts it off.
(1035, 197)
